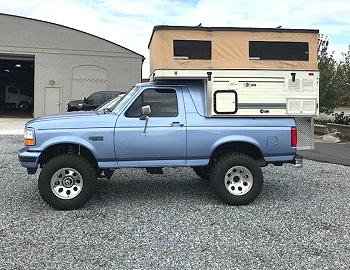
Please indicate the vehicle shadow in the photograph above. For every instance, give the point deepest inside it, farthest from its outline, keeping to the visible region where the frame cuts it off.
(138, 186)
(133, 187)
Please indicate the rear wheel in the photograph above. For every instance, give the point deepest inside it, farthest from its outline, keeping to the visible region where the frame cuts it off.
(237, 179)
(66, 181)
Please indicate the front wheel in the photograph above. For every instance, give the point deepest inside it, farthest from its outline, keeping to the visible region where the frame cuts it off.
(23, 106)
(237, 179)
(66, 181)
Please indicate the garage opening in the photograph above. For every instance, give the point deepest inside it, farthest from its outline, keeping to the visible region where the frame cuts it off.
(16, 86)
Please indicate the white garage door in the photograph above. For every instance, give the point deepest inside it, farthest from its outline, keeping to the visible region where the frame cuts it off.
(88, 79)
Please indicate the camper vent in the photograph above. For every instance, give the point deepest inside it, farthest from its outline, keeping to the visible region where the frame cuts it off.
(309, 106)
(294, 85)
(297, 106)
(308, 84)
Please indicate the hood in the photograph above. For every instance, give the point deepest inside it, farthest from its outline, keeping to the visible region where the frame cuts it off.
(76, 120)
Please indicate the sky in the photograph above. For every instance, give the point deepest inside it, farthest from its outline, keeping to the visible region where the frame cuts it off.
(130, 23)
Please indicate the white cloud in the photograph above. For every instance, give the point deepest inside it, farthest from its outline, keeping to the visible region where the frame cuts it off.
(130, 22)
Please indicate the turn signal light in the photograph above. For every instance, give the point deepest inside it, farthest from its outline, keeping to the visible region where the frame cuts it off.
(29, 142)
(293, 137)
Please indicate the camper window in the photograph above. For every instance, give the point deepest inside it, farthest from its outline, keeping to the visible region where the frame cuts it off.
(277, 50)
(225, 102)
(192, 49)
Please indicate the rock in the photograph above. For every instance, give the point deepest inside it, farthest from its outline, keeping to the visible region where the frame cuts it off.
(331, 138)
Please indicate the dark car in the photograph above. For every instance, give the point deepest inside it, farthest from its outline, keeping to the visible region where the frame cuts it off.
(93, 101)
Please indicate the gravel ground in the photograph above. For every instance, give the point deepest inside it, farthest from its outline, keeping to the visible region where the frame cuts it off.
(173, 221)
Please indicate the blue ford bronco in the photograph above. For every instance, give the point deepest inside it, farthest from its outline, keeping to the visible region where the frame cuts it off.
(155, 125)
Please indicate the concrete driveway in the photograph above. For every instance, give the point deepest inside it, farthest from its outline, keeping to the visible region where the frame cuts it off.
(12, 125)
(337, 153)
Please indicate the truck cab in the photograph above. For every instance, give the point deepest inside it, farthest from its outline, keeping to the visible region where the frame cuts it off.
(14, 97)
(155, 125)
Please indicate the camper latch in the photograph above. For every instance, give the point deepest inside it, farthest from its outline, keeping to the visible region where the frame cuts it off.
(209, 75)
(293, 76)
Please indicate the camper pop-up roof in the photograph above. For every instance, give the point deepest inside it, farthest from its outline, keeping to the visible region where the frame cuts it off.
(255, 71)
(185, 47)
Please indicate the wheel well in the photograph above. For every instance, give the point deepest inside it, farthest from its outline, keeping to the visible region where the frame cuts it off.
(239, 147)
(66, 148)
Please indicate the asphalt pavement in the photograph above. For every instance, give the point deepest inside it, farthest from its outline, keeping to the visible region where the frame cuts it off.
(338, 153)
(301, 220)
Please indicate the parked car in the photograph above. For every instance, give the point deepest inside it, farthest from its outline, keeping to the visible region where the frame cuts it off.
(16, 98)
(155, 125)
(93, 101)
(109, 104)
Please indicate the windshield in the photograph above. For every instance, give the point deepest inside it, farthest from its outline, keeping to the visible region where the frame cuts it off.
(124, 99)
(109, 103)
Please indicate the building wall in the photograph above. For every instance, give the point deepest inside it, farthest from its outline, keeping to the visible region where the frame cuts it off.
(71, 60)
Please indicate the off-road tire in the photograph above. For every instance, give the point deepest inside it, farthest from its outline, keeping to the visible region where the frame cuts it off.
(222, 165)
(78, 163)
(202, 171)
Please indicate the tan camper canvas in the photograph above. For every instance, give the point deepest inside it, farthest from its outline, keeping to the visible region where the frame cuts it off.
(182, 47)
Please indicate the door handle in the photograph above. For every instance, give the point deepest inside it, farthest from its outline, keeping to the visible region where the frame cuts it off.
(176, 124)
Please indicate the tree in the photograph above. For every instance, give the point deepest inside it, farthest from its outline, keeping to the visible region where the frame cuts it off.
(345, 67)
(329, 93)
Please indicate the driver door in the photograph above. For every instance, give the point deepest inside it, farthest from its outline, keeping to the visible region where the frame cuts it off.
(164, 140)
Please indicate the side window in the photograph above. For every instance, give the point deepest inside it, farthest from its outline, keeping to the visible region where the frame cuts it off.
(278, 50)
(97, 98)
(192, 49)
(163, 103)
(12, 90)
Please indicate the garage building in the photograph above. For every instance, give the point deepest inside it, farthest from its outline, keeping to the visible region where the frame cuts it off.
(46, 65)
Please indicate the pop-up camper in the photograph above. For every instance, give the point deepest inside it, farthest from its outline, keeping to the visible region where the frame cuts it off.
(247, 71)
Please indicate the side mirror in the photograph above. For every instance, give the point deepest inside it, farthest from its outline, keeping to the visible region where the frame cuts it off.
(146, 110)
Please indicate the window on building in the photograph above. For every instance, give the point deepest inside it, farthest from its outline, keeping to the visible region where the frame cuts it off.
(278, 50)
(163, 103)
(192, 49)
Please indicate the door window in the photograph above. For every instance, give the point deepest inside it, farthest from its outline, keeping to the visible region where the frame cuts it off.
(96, 98)
(163, 103)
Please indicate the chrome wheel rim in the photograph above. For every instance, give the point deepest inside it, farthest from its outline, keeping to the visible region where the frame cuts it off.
(66, 183)
(238, 180)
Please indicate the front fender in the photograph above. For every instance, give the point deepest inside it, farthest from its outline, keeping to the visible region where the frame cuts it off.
(66, 140)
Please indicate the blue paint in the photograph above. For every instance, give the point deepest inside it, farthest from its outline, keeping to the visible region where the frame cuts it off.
(164, 145)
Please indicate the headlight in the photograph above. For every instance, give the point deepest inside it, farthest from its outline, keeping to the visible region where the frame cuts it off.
(29, 137)
(80, 105)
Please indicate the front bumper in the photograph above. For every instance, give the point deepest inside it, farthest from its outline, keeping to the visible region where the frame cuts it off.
(28, 159)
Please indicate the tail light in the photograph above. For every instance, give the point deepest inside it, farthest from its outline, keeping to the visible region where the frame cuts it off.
(293, 137)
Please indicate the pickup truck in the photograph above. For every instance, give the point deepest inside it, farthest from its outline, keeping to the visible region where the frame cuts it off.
(14, 97)
(155, 125)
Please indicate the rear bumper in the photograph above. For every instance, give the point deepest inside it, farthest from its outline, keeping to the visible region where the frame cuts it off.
(298, 161)
(28, 159)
